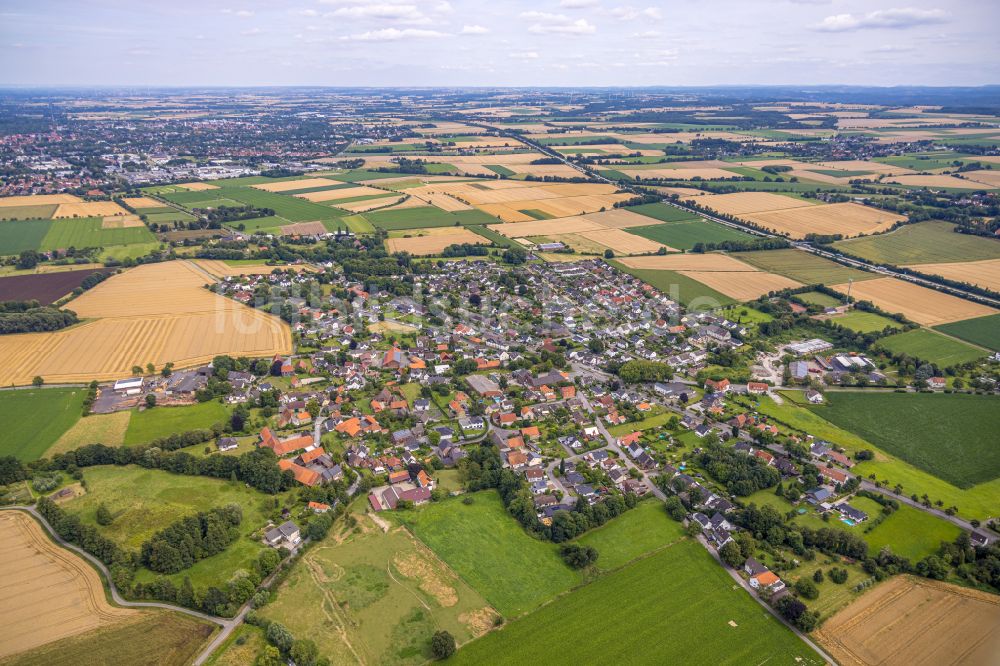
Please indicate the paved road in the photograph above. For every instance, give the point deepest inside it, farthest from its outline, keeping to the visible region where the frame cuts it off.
(753, 595)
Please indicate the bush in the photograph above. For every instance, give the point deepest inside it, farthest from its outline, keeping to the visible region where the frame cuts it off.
(104, 516)
(838, 576)
(442, 645)
(578, 556)
(806, 589)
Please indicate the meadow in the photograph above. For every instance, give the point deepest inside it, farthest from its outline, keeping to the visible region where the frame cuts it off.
(16, 237)
(675, 606)
(911, 533)
(642, 530)
(865, 322)
(931, 347)
(686, 234)
(983, 331)
(88, 232)
(28, 212)
(664, 212)
(951, 436)
(150, 424)
(412, 218)
(803, 267)
(35, 418)
(515, 572)
(928, 242)
(819, 298)
(687, 291)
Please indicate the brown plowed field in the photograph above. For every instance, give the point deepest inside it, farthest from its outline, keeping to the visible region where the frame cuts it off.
(45, 288)
(156, 313)
(911, 621)
(46, 592)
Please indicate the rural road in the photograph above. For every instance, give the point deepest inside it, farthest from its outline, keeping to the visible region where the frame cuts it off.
(955, 520)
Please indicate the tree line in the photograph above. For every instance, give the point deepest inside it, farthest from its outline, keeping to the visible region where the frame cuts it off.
(191, 539)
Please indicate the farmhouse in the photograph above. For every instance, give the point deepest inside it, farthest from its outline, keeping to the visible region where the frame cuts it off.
(286, 534)
(130, 386)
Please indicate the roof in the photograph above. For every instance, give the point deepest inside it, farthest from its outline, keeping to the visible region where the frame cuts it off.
(303, 475)
(767, 578)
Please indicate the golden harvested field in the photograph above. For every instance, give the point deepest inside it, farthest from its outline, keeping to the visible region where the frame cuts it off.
(568, 206)
(142, 202)
(411, 202)
(300, 184)
(619, 218)
(370, 204)
(578, 242)
(342, 193)
(155, 313)
(711, 261)
(938, 181)
(46, 592)
(990, 177)
(198, 187)
(742, 286)
(219, 268)
(107, 429)
(607, 148)
(505, 213)
(433, 243)
(561, 170)
(39, 200)
(865, 165)
(915, 622)
(430, 194)
(303, 229)
(848, 219)
(122, 222)
(546, 227)
(985, 273)
(89, 209)
(623, 242)
(680, 174)
(741, 203)
(922, 305)
(681, 191)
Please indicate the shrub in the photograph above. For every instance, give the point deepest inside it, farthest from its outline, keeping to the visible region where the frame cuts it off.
(442, 645)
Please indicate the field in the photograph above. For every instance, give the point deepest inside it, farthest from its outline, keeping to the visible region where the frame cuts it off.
(939, 181)
(411, 218)
(155, 639)
(677, 606)
(950, 436)
(621, 241)
(864, 322)
(912, 533)
(91, 232)
(804, 267)
(633, 534)
(922, 243)
(43, 212)
(742, 203)
(89, 209)
(847, 219)
(909, 620)
(920, 304)
(719, 272)
(368, 596)
(818, 298)
(664, 212)
(686, 234)
(984, 273)
(34, 419)
(687, 291)
(433, 243)
(16, 237)
(46, 592)
(107, 429)
(983, 331)
(155, 313)
(149, 424)
(45, 288)
(931, 347)
(297, 184)
(484, 544)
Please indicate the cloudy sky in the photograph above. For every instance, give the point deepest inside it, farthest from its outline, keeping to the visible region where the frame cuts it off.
(501, 42)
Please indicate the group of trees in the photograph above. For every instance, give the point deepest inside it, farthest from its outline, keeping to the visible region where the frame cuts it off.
(191, 539)
(742, 475)
(465, 250)
(637, 370)
(30, 317)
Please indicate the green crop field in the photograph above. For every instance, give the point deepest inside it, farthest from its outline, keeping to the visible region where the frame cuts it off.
(677, 606)
(150, 424)
(982, 331)
(864, 322)
(803, 267)
(144, 501)
(290, 208)
(951, 436)
(386, 592)
(265, 224)
(170, 215)
(685, 235)
(500, 169)
(158, 638)
(690, 293)
(42, 212)
(838, 173)
(16, 237)
(922, 243)
(909, 532)
(922, 161)
(633, 534)
(932, 347)
(411, 218)
(537, 214)
(819, 298)
(486, 546)
(87, 232)
(757, 186)
(663, 212)
(35, 418)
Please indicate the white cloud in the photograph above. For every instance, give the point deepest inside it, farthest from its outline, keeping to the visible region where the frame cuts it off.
(525, 55)
(577, 4)
(394, 34)
(383, 11)
(558, 24)
(474, 30)
(647, 34)
(906, 17)
(628, 13)
(244, 13)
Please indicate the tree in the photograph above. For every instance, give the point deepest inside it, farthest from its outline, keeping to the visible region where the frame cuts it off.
(609, 254)
(279, 637)
(270, 656)
(731, 554)
(37, 381)
(28, 259)
(806, 589)
(442, 644)
(104, 516)
(838, 576)
(304, 652)
(578, 556)
(150, 400)
(818, 576)
(674, 508)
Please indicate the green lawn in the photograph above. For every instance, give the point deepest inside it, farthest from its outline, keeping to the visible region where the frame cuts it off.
(686, 234)
(87, 232)
(688, 292)
(171, 215)
(865, 322)
(931, 347)
(35, 418)
(909, 532)
(633, 534)
(515, 572)
(265, 224)
(16, 237)
(150, 424)
(922, 243)
(952, 436)
(803, 267)
(677, 606)
(983, 331)
(819, 298)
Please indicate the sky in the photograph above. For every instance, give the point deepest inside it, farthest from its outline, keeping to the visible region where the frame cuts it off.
(499, 43)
